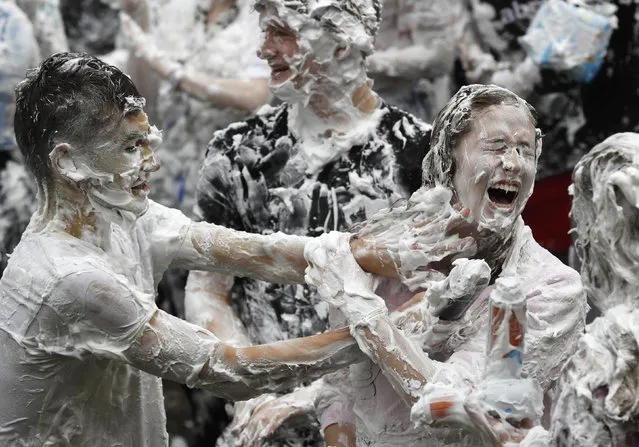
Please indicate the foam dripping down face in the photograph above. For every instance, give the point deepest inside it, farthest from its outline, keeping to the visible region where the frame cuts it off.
(115, 174)
(495, 165)
(317, 53)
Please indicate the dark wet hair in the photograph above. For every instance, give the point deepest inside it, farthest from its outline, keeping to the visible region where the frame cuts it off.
(455, 120)
(70, 97)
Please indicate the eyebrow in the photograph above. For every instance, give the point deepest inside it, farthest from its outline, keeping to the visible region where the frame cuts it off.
(500, 139)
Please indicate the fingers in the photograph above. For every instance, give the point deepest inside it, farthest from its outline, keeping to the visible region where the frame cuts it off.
(265, 422)
(485, 424)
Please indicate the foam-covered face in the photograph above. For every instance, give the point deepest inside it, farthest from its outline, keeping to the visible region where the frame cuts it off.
(306, 58)
(115, 173)
(495, 165)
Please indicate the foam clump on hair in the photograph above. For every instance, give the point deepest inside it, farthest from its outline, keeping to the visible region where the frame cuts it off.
(603, 190)
(355, 21)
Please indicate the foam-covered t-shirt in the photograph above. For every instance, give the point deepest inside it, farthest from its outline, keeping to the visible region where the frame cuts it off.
(70, 312)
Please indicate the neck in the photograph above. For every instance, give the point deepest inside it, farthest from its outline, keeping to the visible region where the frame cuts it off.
(70, 211)
(333, 111)
(494, 247)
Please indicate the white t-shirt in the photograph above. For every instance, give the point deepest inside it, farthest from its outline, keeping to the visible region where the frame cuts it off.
(69, 312)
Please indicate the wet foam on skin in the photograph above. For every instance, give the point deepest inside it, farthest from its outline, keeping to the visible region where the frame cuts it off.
(124, 186)
(500, 150)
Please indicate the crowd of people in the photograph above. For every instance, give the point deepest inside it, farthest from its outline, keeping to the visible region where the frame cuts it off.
(301, 222)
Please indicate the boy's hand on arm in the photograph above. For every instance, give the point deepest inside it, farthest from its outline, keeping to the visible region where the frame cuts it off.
(416, 241)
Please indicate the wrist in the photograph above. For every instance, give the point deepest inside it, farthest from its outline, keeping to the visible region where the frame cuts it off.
(371, 258)
(176, 76)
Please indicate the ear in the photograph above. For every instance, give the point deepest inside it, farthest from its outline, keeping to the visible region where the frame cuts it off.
(62, 163)
(341, 52)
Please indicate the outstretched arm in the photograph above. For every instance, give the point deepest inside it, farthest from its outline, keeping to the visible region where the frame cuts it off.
(243, 94)
(113, 320)
(275, 258)
(246, 95)
(402, 243)
(176, 350)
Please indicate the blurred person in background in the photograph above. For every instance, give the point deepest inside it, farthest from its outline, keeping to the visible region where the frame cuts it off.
(329, 157)
(29, 30)
(415, 53)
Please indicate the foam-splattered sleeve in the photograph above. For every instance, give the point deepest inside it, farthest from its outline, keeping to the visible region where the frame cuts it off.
(219, 185)
(93, 311)
(410, 139)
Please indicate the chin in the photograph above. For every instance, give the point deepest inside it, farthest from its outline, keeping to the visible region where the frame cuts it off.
(139, 208)
(127, 205)
(498, 218)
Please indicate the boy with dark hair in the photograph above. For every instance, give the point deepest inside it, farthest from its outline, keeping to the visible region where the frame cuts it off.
(84, 345)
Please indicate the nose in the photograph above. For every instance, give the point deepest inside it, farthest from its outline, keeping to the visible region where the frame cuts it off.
(150, 160)
(511, 161)
(267, 50)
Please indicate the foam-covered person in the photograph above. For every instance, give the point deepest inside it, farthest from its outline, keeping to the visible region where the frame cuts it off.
(596, 402)
(84, 347)
(329, 157)
(414, 56)
(483, 155)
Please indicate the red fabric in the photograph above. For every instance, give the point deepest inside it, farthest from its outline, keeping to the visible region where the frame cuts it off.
(546, 212)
